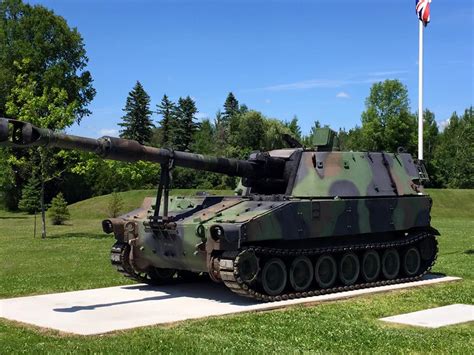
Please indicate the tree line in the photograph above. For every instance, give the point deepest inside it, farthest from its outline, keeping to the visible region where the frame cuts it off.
(44, 80)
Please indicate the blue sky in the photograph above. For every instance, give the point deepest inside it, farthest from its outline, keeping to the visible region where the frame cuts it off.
(314, 59)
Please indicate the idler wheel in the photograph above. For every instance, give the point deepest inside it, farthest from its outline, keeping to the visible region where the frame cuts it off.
(248, 266)
(349, 268)
(370, 265)
(390, 263)
(301, 273)
(427, 248)
(411, 261)
(325, 271)
(274, 276)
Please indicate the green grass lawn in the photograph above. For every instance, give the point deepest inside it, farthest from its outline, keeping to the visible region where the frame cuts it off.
(76, 256)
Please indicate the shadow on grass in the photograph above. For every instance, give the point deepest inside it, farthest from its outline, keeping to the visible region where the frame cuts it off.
(80, 235)
(15, 217)
(469, 252)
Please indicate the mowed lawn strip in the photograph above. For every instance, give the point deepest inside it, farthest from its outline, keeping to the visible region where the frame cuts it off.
(76, 256)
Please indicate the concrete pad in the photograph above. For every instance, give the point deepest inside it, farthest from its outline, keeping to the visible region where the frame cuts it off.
(104, 310)
(436, 317)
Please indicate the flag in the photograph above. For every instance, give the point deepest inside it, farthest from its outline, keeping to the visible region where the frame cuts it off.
(423, 10)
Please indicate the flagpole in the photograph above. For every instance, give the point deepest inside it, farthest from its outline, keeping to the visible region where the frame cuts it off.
(420, 91)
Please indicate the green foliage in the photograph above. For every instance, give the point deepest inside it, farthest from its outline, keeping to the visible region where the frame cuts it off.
(387, 123)
(106, 176)
(248, 132)
(454, 155)
(204, 142)
(185, 126)
(43, 81)
(136, 123)
(294, 128)
(58, 212)
(231, 107)
(115, 205)
(167, 110)
(30, 196)
(55, 53)
(48, 108)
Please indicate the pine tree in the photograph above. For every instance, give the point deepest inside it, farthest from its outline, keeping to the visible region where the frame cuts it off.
(185, 126)
(136, 121)
(294, 127)
(231, 107)
(58, 212)
(31, 196)
(167, 109)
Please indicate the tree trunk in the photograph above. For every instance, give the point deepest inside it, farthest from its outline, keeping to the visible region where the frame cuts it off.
(43, 209)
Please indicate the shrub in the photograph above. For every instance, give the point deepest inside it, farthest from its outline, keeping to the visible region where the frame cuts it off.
(115, 205)
(58, 212)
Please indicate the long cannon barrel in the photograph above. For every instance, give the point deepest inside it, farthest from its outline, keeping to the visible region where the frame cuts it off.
(19, 134)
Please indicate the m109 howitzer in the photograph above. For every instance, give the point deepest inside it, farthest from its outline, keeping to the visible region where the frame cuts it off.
(308, 221)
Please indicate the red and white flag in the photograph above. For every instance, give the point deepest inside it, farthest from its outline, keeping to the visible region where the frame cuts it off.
(423, 10)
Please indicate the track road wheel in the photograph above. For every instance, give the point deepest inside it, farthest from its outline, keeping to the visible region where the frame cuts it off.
(325, 271)
(349, 268)
(390, 264)
(159, 276)
(301, 273)
(370, 268)
(274, 276)
(411, 261)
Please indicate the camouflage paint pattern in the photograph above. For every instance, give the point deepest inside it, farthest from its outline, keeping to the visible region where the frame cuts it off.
(289, 195)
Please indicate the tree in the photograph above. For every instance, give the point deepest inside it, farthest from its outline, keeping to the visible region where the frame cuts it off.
(136, 121)
(167, 110)
(185, 125)
(387, 122)
(294, 127)
(30, 196)
(49, 108)
(58, 212)
(430, 140)
(42, 79)
(454, 155)
(204, 138)
(56, 54)
(231, 107)
(249, 135)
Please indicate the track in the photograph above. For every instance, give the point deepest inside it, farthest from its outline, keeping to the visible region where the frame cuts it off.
(229, 265)
(230, 268)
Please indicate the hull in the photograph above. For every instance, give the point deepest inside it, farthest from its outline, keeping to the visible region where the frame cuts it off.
(283, 229)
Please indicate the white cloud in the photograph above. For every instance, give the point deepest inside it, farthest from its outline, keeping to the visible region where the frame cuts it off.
(268, 101)
(388, 73)
(443, 124)
(306, 84)
(109, 132)
(316, 83)
(342, 95)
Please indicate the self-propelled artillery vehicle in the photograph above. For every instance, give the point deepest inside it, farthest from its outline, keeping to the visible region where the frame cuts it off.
(307, 221)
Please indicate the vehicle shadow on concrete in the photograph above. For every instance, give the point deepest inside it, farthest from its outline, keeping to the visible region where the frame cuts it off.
(195, 290)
